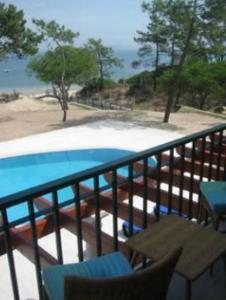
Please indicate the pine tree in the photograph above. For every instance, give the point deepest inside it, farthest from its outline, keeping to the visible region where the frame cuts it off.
(154, 39)
(105, 59)
(15, 37)
(214, 29)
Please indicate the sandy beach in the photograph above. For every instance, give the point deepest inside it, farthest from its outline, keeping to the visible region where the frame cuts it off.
(28, 116)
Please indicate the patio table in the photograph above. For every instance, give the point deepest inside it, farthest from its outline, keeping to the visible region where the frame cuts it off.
(201, 246)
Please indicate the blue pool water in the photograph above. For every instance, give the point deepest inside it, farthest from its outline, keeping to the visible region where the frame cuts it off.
(24, 172)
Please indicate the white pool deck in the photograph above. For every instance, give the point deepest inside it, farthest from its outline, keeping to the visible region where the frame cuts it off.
(101, 134)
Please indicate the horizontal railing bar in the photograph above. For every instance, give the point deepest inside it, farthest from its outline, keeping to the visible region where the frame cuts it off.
(83, 196)
(40, 213)
(66, 203)
(49, 187)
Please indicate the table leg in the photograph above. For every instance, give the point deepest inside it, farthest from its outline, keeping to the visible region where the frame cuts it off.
(224, 261)
(216, 222)
(211, 270)
(206, 218)
(188, 289)
(144, 263)
(199, 219)
(133, 258)
(45, 296)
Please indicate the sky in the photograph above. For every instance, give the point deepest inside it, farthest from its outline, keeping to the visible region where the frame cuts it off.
(114, 21)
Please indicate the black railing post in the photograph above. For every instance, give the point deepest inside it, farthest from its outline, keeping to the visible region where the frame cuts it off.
(224, 164)
(97, 216)
(115, 209)
(181, 162)
(203, 148)
(79, 221)
(201, 175)
(10, 257)
(220, 147)
(145, 191)
(210, 172)
(171, 177)
(130, 177)
(57, 227)
(158, 186)
(36, 249)
(191, 188)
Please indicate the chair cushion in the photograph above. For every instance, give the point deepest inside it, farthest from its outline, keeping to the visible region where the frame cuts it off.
(215, 194)
(110, 265)
(164, 211)
(125, 229)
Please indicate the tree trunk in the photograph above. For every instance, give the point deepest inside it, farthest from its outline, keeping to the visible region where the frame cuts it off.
(169, 104)
(173, 52)
(174, 86)
(101, 70)
(177, 97)
(64, 115)
(202, 101)
(156, 67)
(65, 105)
(63, 90)
(64, 109)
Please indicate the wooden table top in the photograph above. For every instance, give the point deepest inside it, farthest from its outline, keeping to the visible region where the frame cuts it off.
(201, 246)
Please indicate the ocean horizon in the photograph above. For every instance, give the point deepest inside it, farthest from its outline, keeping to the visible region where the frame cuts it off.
(15, 77)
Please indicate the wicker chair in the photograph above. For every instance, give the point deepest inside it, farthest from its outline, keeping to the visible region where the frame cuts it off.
(116, 280)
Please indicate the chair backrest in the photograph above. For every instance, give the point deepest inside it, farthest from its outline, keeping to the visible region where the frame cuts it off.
(151, 283)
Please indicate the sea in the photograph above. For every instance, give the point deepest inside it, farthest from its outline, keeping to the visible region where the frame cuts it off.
(14, 75)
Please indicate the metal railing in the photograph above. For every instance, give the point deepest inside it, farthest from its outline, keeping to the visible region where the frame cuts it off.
(104, 104)
(163, 174)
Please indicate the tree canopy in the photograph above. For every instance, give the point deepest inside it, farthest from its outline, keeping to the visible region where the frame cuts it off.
(79, 67)
(105, 59)
(52, 31)
(59, 38)
(202, 83)
(15, 37)
(184, 30)
(140, 85)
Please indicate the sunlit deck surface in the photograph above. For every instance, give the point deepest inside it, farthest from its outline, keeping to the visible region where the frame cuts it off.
(100, 134)
(106, 134)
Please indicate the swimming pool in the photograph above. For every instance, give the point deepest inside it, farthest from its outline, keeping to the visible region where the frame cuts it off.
(23, 172)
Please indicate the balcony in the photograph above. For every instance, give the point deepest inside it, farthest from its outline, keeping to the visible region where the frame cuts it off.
(136, 189)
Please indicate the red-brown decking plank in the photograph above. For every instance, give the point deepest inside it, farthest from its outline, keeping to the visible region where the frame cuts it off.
(206, 169)
(88, 230)
(216, 146)
(106, 203)
(138, 189)
(164, 197)
(123, 212)
(69, 222)
(176, 177)
(25, 247)
(215, 156)
(197, 167)
(44, 227)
